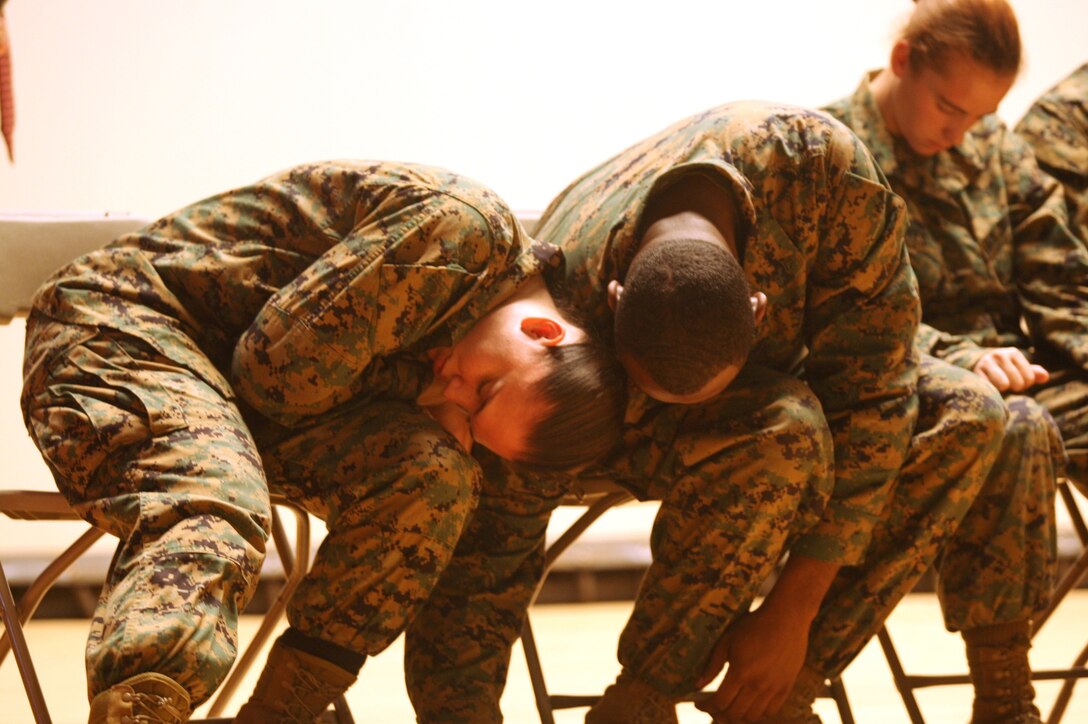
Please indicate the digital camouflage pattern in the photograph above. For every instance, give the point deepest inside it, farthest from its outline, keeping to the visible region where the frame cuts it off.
(810, 449)
(276, 336)
(817, 210)
(990, 244)
(1056, 128)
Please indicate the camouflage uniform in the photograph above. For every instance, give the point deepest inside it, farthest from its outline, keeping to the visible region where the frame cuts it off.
(274, 336)
(1056, 127)
(990, 244)
(752, 473)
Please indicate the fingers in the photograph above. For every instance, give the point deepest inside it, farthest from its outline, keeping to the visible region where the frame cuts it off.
(1009, 370)
(738, 701)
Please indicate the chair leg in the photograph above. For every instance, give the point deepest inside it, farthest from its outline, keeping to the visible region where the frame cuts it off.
(1066, 692)
(34, 594)
(14, 631)
(546, 703)
(900, 677)
(838, 692)
(536, 675)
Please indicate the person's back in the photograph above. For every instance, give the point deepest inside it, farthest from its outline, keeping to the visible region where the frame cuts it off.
(209, 268)
(795, 172)
(1056, 127)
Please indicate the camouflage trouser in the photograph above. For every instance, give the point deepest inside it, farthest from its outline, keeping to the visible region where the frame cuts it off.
(999, 564)
(150, 452)
(395, 491)
(1066, 397)
(153, 454)
(749, 475)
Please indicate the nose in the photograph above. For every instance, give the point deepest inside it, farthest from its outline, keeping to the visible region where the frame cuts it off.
(461, 394)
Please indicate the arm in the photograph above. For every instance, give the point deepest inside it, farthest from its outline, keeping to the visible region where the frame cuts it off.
(860, 325)
(387, 285)
(766, 648)
(458, 647)
(1007, 368)
(1051, 262)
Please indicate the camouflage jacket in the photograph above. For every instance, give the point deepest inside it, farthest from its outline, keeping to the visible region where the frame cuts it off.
(310, 287)
(988, 239)
(1056, 127)
(823, 242)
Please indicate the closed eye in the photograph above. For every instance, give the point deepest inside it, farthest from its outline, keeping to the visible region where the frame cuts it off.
(484, 393)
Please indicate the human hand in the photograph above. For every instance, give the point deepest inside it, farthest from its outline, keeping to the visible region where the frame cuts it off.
(765, 651)
(1009, 369)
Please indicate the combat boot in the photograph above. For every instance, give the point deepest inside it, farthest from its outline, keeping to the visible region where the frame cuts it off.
(997, 657)
(294, 687)
(151, 698)
(632, 702)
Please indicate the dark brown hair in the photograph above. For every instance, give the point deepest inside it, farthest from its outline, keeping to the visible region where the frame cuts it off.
(586, 393)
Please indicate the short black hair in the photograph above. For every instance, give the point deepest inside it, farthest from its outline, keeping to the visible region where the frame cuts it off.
(685, 314)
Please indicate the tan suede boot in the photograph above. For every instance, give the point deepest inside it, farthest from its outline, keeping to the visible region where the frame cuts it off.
(998, 660)
(632, 702)
(151, 698)
(294, 687)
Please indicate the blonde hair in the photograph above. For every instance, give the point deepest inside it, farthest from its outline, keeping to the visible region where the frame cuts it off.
(984, 30)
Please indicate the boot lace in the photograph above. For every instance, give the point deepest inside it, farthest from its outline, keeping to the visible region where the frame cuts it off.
(150, 709)
(308, 698)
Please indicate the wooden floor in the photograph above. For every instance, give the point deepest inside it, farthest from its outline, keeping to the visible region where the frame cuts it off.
(577, 647)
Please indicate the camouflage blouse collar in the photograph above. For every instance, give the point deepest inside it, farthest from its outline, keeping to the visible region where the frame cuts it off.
(719, 169)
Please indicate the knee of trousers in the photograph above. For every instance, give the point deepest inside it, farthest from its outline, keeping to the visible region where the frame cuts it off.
(961, 407)
(781, 450)
(1031, 432)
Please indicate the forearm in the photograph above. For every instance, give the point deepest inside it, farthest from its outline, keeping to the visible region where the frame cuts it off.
(801, 587)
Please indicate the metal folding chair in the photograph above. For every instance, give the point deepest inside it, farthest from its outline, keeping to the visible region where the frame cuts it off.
(48, 506)
(599, 497)
(906, 683)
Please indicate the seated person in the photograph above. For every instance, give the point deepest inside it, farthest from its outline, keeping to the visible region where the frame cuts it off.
(349, 334)
(766, 311)
(1056, 128)
(1000, 272)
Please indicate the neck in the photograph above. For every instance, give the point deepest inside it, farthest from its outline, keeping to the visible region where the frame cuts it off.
(883, 88)
(693, 225)
(535, 290)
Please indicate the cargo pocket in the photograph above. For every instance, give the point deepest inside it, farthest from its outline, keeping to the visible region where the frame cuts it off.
(130, 383)
(98, 399)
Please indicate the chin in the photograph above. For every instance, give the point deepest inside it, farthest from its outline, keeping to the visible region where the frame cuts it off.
(929, 149)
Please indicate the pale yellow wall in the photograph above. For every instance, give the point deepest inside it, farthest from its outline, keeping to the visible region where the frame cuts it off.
(146, 105)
